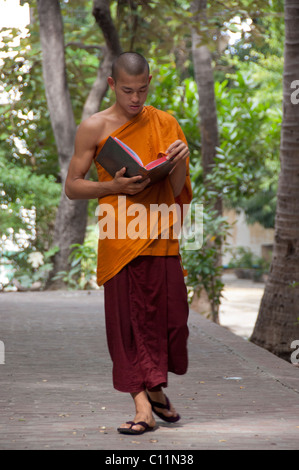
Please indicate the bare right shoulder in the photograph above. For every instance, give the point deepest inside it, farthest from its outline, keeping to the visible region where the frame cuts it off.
(89, 133)
(92, 130)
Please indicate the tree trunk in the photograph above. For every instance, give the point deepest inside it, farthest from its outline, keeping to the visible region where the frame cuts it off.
(101, 12)
(71, 217)
(204, 77)
(206, 89)
(277, 324)
(99, 88)
(70, 225)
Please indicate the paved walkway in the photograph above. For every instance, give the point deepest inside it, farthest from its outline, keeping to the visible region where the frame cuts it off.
(240, 304)
(56, 392)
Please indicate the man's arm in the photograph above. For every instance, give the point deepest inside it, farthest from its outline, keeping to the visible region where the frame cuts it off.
(76, 187)
(180, 151)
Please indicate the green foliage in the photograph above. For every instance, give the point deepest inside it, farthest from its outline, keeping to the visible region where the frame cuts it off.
(249, 137)
(243, 258)
(203, 265)
(83, 261)
(30, 176)
(261, 207)
(248, 265)
(249, 129)
(248, 94)
(247, 162)
(27, 137)
(28, 203)
(27, 269)
(180, 98)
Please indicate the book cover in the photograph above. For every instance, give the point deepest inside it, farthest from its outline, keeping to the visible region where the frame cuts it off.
(116, 155)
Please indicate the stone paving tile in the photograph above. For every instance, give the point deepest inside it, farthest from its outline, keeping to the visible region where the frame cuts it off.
(56, 391)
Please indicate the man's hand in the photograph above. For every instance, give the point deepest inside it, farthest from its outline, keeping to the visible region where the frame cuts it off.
(178, 151)
(122, 184)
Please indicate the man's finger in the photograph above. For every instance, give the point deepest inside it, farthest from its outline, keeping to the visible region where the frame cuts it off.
(174, 145)
(120, 173)
(135, 179)
(144, 183)
(184, 153)
(176, 150)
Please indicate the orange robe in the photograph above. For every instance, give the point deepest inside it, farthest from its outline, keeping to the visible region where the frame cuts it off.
(152, 131)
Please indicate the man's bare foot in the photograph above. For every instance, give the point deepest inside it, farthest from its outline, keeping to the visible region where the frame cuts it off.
(168, 411)
(143, 413)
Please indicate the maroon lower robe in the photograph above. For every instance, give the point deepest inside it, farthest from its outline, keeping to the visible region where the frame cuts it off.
(146, 311)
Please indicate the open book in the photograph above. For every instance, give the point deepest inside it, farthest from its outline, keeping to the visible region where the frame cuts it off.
(116, 155)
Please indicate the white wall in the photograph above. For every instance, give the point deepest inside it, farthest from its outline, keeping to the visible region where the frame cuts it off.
(247, 236)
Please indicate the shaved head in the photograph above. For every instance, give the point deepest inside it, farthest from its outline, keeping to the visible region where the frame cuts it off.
(131, 62)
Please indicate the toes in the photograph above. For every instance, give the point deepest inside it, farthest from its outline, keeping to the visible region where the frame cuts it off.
(138, 427)
(169, 413)
(127, 425)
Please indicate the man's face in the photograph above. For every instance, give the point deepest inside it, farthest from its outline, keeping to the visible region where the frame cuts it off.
(130, 91)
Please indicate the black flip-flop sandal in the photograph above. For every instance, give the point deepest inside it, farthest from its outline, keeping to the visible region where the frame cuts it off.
(168, 419)
(129, 430)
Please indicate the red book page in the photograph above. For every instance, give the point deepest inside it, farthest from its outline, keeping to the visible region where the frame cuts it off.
(156, 162)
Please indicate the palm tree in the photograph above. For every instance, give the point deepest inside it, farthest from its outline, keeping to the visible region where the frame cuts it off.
(204, 76)
(277, 325)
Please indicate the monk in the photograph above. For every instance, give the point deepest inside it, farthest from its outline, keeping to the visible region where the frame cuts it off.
(146, 306)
